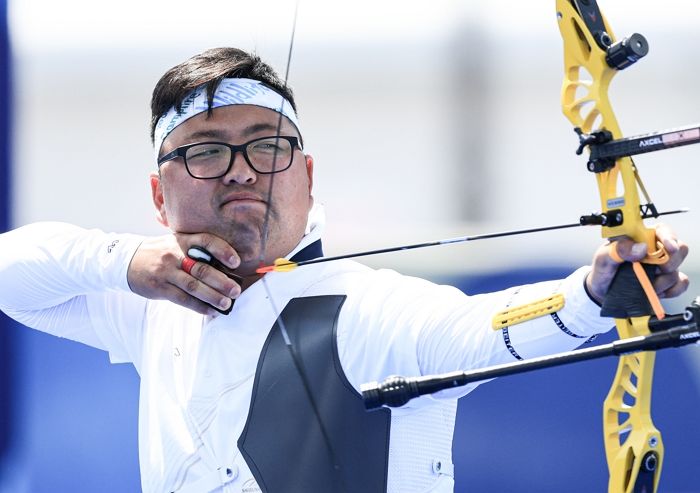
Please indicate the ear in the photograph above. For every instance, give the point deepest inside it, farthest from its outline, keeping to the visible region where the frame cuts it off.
(158, 201)
(310, 172)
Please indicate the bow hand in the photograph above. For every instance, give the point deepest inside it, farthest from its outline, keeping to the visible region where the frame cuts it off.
(668, 282)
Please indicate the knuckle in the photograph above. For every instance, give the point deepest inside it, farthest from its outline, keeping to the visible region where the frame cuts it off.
(181, 298)
(153, 283)
(191, 303)
(158, 269)
(191, 285)
(208, 240)
(199, 270)
(169, 258)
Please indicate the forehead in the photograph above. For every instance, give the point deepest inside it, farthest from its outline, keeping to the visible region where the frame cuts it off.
(234, 124)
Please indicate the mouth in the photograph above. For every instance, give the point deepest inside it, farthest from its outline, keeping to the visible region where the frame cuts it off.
(242, 199)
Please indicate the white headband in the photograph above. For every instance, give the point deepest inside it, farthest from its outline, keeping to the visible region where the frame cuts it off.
(229, 92)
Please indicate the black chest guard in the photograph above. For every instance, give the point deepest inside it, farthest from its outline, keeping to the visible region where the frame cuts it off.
(282, 442)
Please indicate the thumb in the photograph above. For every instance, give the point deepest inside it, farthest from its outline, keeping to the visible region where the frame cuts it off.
(625, 249)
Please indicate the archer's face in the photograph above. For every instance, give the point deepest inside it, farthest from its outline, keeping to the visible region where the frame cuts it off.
(234, 206)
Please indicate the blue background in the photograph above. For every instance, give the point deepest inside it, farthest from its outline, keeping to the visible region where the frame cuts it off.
(74, 420)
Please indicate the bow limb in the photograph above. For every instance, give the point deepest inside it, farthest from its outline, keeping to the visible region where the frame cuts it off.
(633, 445)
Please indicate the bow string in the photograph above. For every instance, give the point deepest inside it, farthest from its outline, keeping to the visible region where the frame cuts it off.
(293, 354)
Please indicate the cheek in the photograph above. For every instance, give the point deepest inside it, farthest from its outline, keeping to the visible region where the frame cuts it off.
(295, 193)
(296, 205)
(185, 206)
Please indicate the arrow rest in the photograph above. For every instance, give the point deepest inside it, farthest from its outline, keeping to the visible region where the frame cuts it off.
(609, 218)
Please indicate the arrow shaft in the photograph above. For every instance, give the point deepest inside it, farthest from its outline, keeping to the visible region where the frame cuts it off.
(458, 239)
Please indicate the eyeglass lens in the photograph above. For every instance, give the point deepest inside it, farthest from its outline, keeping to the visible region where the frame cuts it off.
(267, 155)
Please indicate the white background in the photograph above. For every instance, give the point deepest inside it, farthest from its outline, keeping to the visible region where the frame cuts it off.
(426, 120)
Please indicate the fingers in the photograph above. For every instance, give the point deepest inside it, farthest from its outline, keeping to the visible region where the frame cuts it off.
(668, 283)
(212, 278)
(161, 270)
(203, 281)
(187, 264)
(677, 250)
(667, 237)
(173, 293)
(213, 244)
(208, 285)
(627, 250)
(630, 251)
(671, 285)
(675, 259)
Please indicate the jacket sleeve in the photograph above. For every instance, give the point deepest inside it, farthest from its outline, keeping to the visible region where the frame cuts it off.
(398, 325)
(71, 282)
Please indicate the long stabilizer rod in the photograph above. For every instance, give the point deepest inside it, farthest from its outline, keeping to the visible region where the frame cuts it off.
(672, 331)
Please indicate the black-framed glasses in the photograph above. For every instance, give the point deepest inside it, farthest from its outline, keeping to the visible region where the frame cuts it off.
(209, 160)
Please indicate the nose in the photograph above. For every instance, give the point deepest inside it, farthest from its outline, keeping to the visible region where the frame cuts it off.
(240, 172)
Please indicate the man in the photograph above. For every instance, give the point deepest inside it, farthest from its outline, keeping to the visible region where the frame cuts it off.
(258, 399)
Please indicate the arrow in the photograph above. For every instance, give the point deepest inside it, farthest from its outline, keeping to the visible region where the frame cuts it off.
(284, 265)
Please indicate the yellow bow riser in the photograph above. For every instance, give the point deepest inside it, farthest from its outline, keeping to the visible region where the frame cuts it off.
(633, 445)
(585, 103)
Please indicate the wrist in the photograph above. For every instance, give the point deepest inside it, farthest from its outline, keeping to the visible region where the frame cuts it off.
(588, 287)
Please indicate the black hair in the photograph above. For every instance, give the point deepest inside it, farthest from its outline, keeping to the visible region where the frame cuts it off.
(208, 69)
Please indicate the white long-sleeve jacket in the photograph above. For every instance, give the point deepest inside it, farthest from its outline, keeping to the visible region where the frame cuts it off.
(197, 372)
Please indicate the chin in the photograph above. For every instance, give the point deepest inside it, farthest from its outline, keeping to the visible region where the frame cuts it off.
(245, 240)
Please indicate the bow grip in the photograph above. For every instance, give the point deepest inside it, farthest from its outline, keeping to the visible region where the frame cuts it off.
(626, 297)
(631, 292)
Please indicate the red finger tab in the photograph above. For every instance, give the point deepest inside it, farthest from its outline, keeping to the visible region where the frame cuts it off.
(187, 264)
(203, 255)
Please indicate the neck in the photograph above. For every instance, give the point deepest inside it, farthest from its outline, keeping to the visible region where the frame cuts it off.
(248, 281)
(246, 275)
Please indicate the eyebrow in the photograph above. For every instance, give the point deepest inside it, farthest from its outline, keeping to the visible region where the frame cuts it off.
(222, 134)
